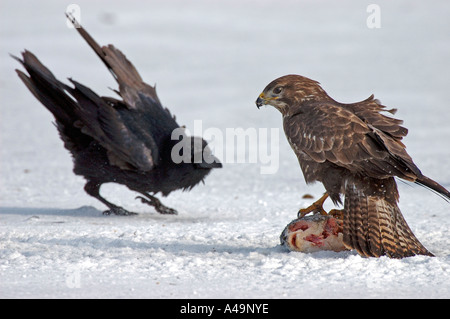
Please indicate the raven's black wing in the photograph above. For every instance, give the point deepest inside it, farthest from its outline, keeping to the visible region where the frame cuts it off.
(133, 131)
(140, 121)
(83, 117)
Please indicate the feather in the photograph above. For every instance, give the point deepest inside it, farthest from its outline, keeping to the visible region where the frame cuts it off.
(373, 223)
(126, 141)
(355, 149)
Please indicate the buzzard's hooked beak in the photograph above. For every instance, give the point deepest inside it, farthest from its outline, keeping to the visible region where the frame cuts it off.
(261, 100)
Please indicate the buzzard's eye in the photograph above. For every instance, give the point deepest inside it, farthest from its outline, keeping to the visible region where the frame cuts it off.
(277, 90)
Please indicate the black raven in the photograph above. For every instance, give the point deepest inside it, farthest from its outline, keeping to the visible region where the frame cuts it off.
(127, 141)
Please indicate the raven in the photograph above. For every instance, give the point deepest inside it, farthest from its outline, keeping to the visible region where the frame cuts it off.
(129, 141)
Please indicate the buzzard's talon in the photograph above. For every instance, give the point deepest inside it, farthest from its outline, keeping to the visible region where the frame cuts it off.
(159, 207)
(316, 207)
(337, 213)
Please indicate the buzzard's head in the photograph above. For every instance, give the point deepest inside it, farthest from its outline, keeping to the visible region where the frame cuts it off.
(290, 90)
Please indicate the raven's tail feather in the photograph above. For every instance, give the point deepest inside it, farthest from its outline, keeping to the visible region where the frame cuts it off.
(120, 67)
(54, 96)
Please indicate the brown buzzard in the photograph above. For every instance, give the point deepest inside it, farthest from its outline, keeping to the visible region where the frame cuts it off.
(355, 150)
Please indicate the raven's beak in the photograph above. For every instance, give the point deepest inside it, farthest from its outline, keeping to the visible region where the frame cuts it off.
(260, 101)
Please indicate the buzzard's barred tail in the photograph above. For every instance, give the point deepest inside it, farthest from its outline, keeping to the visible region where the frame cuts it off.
(373, 223)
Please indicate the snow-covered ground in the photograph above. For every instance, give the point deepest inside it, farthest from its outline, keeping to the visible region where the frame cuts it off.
(210, 60)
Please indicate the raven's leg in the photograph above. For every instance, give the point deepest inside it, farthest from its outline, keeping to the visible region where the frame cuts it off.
(317, 206)
(153, 201)
(93, 189)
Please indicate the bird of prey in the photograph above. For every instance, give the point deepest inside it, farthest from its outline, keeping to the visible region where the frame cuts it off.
(354, 150)
(126, 140)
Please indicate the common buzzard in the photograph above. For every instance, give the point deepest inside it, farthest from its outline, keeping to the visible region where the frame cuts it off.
(355, 150)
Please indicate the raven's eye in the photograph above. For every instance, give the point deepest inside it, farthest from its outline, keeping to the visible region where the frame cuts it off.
(277, 90)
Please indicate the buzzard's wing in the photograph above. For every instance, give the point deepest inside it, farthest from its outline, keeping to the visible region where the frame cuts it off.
(328, 132)
(371, 111)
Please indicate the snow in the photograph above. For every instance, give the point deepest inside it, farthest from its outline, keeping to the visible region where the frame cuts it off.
(210, 60)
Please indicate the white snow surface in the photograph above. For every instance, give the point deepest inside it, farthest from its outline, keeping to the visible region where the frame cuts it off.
(210, 60)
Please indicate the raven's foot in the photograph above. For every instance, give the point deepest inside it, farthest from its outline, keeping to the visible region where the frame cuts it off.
(159, 207)
(116, 210)
(316, 207)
